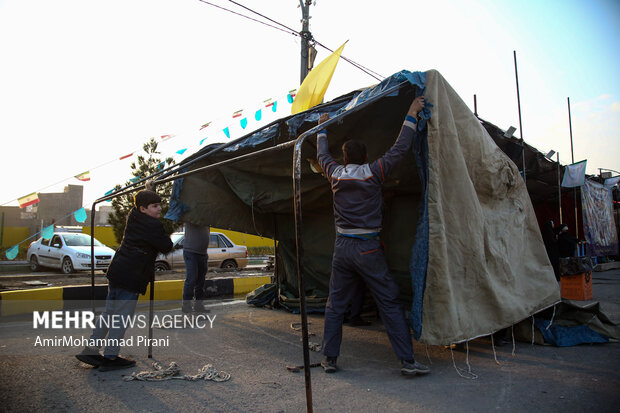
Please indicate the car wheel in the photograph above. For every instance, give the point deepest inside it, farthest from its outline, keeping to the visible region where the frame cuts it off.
(161, 266)
(67, 266)
(230, 264)
(34, 264)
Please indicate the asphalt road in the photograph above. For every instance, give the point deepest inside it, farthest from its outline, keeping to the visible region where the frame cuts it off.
(254, 345)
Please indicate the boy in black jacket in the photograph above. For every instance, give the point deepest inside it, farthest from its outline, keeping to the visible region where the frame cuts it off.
(129, 273)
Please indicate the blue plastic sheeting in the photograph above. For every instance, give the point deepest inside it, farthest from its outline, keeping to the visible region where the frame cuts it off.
(418, 262)
(565, 336)
(176, 208)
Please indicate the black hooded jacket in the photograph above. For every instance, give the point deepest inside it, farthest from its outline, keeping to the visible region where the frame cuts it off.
(132, 267)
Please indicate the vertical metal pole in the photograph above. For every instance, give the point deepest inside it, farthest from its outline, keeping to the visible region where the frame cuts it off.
(559, 188)
(572, 155)
(152, 296)
(300, 274)
(520, 126)
(2, 232)
(305, 38)
(475, 106)
(92, 255)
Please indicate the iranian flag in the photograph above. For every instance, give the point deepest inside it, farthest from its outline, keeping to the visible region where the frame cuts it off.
(84, 176)
(28, 200)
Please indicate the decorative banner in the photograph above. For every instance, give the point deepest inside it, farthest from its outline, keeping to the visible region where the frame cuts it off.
(574, 174)
(274, 106)
(11, 253)
(227, 132)
(181, 151)
(598, 219)
(258, 115)
(268, 102)
(28, 200)
(314, 86)
(237, 114)
(166, 137)
(244, 122)
(80, 215)
(202, 140)
(125, 157)
(84, 176)
(48, 232)
(137, 178)
(205, 125)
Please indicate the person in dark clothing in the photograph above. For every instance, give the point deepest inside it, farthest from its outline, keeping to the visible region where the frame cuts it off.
(551, 245)
(130, 271)
(358, 215)
(567, 244)
(196, 257)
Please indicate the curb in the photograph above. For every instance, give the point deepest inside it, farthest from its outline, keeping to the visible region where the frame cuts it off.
(62, 298)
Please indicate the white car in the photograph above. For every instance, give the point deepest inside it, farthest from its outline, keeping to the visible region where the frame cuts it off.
(223, 253)
(69, 252)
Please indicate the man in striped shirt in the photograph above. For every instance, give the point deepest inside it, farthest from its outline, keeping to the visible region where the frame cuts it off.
(358, 215)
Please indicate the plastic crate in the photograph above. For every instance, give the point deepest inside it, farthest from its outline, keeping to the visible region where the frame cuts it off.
(577, 287)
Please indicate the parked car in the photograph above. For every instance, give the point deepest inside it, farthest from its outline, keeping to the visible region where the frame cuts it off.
(223, 253)
(68, 251)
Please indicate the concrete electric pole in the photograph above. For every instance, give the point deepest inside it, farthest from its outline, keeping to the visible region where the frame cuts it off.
(307, 50)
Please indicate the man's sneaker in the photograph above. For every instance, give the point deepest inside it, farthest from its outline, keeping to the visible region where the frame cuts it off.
(329, 364)
(199, 307)
(90, 356)
(116, 364)
(412, 367)
(186, 307)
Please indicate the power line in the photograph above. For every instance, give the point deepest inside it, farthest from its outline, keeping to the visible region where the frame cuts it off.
(284, 28)
(249, 18)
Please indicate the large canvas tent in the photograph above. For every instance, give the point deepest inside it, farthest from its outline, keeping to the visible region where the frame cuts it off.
(461, 236)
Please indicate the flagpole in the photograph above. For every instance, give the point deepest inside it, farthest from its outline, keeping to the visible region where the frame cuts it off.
(520, 126)
(572, 155)
(559, 188)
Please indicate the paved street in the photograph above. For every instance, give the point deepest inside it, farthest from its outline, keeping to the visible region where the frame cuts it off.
(254, 345)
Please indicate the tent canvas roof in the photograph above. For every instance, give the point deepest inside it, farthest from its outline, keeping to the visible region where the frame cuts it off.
(461, 236)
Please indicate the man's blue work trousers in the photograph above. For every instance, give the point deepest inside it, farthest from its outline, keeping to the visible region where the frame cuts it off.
(195, 272)
(354, 258)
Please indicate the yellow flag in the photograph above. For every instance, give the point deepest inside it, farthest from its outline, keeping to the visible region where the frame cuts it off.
(314, 86)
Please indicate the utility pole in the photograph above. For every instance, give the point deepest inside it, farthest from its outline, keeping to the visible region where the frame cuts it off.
(306, 37)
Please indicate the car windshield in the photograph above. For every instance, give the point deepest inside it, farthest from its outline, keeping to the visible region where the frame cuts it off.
(175, 237)
(79, 240)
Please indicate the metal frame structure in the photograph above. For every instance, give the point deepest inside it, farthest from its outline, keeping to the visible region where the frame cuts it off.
(172, 173)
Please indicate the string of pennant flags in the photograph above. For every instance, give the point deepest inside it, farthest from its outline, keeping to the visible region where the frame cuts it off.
(239, 116)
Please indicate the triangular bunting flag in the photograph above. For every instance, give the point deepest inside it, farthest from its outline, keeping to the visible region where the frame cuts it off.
(11, 253)
(80, 215)
(227, 132)
(48, 232)
(244, 122)
(84, 176)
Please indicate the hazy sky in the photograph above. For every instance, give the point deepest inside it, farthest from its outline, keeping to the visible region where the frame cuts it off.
(84, 82)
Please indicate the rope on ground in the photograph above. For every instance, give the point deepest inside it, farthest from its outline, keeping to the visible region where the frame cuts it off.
(207, 372)
(552, 316)
(428, 355)
(313, 346)
(494, 353)
(472, 376)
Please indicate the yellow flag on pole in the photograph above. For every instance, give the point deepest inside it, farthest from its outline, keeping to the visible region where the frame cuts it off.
(314, 86)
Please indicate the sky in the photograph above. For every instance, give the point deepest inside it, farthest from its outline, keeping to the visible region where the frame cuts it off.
(84, 82)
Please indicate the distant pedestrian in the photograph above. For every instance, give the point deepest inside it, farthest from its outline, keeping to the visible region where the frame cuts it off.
(130, 271)
(567, 244)
(195, 254)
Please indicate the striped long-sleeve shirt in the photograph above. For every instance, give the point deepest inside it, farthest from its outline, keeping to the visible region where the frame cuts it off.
(358, 200)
